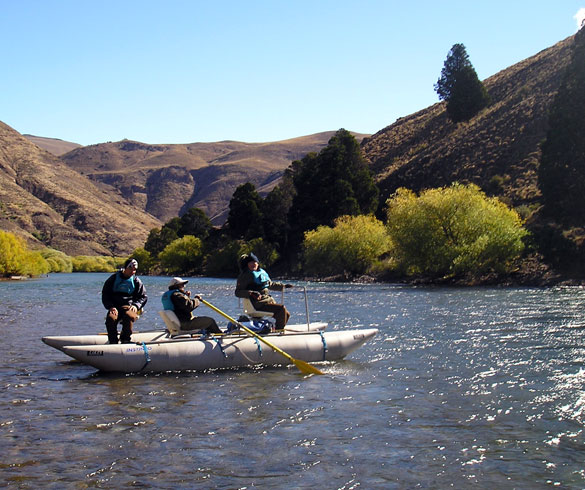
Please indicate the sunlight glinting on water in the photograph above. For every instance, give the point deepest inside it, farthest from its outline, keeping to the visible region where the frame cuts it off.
(479, 386)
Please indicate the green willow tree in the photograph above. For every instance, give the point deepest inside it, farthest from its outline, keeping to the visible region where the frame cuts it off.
(183, 256)
(17, 259)
(453, 231)
(561, 174)
(352, 246)
(460, 86)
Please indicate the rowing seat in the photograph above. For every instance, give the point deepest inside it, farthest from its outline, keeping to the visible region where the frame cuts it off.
(171, 321)
(253, 312)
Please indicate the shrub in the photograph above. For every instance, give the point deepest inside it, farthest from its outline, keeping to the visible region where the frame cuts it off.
(182, 256)
(85, 263)
(58, 261)
(353, 245)
(453, 231)
(16, 259)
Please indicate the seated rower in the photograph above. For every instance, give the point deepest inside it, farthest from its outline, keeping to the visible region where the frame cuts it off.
(179, 300)
(254, 284)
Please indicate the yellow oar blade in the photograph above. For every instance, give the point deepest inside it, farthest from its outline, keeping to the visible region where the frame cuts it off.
(306, 368)
(303, 366)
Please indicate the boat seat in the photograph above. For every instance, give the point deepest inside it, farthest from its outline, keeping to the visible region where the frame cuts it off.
(253, 312)
(171, 321)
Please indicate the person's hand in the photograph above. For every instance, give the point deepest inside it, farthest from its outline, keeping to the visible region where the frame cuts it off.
(188, 293)
(133, 308)
(255, 295)
(113, 311)
(197, 297)
(288, 286)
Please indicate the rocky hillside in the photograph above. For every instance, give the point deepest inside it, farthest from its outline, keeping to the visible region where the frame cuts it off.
(497, 150)
(105, 198)
(49, 204)
(167, 180)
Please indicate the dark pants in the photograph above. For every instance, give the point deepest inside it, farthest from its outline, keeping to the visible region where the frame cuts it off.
(201, 323)
(112, 327)
(281, 314)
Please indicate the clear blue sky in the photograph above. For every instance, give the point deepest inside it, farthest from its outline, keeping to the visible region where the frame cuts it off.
(179, 71)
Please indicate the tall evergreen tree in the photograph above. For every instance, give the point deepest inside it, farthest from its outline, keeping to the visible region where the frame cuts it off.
(195, 222)
(460, 86)
(335, 182)
(245, 215)
(275, 209)
(561, 174)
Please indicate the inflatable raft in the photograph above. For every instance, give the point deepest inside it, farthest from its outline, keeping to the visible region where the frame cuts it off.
(59, 341)
(216, 352)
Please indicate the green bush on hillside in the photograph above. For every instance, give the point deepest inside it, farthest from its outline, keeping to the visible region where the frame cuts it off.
(353, 245)
(58, 261)
(182, 256)
(85, 263)
(16, 259)
(453, 231)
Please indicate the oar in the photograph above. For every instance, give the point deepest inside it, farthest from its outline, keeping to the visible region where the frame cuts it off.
(303, 366)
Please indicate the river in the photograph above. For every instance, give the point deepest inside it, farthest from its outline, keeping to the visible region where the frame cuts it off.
(461, 388)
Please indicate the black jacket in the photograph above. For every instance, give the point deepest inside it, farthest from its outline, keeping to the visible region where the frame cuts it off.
(110, 299)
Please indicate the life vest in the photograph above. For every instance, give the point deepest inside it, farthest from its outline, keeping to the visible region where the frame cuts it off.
(261, 279)
(166, 300)
(124, 285)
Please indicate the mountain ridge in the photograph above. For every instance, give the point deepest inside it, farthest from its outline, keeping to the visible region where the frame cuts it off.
(166, 180)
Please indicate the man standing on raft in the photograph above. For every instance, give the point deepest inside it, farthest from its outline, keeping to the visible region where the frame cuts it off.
(123, 295)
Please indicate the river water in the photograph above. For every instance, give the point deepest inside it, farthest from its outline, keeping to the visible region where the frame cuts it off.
(462, 387)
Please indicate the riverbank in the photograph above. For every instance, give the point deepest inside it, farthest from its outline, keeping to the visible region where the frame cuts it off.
(531, 272)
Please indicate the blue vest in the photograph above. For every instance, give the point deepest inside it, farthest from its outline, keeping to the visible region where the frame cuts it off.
(124, 285)
(261, 279)
(166, 300)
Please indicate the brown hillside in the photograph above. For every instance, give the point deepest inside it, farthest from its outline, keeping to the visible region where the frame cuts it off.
(167, 180)
(49, 204)
(52, 145)
(498, 149)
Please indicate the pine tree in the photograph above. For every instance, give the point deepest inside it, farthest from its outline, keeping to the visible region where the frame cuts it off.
(245, 215)
(460, 86)
(561, 174)
(333, 183)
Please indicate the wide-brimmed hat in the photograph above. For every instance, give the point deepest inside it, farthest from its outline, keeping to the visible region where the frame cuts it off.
(177, 282)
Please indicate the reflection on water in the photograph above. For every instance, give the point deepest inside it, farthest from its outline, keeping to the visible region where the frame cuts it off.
(475, 387)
